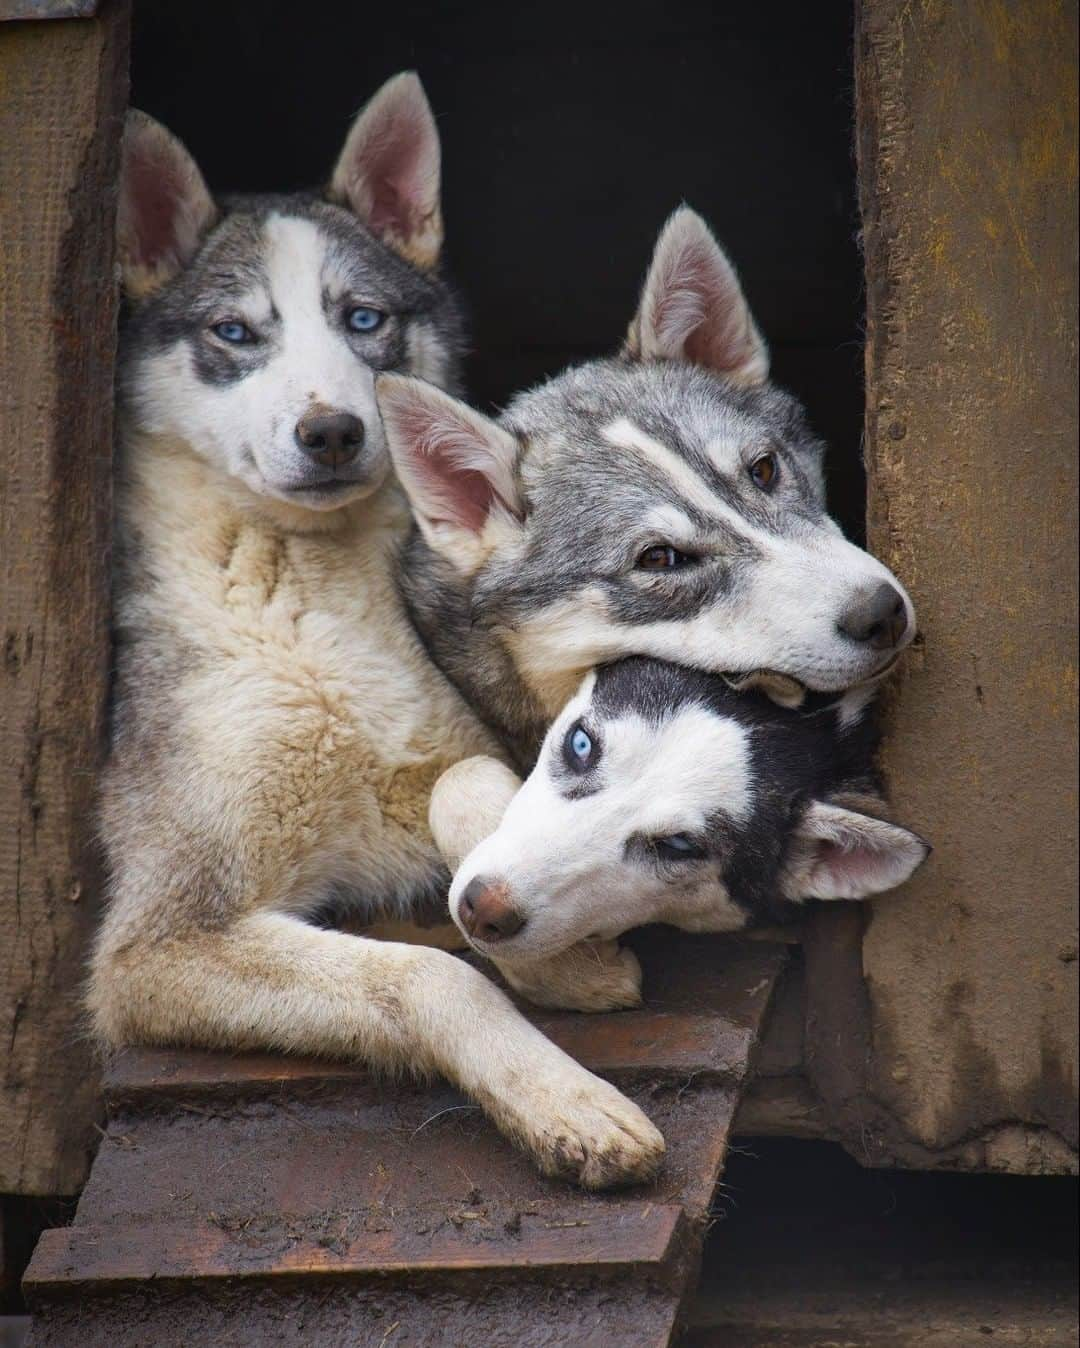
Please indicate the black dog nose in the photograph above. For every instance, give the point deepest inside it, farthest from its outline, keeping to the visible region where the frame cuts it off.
(878, 618)
(486, 910)
(331, 438)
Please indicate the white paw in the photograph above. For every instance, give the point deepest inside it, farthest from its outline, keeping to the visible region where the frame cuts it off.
(591, 1133)
(592, 976)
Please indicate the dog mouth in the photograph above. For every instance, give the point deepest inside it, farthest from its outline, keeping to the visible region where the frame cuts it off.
(334, 486)
(782, 689)
(787, 691)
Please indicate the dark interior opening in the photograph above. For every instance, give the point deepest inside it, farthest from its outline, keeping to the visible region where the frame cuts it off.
(569, 132)
(810, 1249)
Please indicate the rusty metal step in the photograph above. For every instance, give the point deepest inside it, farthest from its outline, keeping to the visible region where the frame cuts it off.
(261, 1199)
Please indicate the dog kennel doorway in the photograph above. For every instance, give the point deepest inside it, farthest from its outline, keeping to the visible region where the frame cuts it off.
(935, 1028)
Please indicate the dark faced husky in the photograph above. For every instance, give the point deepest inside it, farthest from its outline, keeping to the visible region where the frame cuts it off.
(669, 502)
(661, 795)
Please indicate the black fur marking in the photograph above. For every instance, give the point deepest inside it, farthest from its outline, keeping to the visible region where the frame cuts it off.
(795, 757)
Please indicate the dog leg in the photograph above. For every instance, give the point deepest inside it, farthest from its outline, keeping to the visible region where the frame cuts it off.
(467, 805)
(270, 981)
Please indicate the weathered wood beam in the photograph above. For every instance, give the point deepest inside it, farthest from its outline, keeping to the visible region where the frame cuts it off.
(944, 1019)
(63, 88)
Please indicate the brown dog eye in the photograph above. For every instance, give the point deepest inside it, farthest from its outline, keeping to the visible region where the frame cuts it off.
(662, 557)
(764, 472)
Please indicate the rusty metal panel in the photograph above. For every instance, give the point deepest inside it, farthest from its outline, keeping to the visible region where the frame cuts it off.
(960, 1009)
(63, 89)
(255, 1199)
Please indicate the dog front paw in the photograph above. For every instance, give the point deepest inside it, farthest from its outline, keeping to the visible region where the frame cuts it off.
(592, 1134)
(590, 976)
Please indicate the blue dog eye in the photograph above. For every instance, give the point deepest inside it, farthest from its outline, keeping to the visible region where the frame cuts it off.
(579, 749)
(233, 332)
(363, 319)
(678, 847)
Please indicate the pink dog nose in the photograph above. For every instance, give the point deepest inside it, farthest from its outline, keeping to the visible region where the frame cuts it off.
(486, 910)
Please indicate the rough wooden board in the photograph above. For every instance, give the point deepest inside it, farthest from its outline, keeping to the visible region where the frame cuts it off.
(278, 1173)
(961, 1043)
(630, 1237)
(62, 93)
(321, 1194)
(497, 1316)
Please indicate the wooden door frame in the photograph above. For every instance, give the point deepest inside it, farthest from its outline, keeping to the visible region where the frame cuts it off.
(63, 92)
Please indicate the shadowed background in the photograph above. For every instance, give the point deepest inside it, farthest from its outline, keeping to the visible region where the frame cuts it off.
(569, 134)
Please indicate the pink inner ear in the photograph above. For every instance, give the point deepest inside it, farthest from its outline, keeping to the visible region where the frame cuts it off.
(700, 310)
(395, 187)
(679, 308)
(846, 867)
(466, 493)
(454, 493)
(156, 191)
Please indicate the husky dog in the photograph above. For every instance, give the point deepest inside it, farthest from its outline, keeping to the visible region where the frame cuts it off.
(668, 502)
(661, 795)
(278, 725)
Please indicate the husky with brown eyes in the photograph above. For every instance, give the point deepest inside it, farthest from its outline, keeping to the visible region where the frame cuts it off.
(667, 502)
(662, 795)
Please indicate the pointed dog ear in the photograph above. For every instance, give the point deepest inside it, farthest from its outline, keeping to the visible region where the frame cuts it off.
(840, 853)
(388, 171)
(164, 208)
(456, 466)
(692, 306)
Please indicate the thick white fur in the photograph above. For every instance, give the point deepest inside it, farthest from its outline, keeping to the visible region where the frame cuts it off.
(300, 743)
(564, 858)
(468, 804)
(279, 726)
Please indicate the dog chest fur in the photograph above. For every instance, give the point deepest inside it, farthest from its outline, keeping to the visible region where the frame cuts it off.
(277, 693)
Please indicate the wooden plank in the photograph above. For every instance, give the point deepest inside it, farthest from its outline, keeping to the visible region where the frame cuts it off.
(62, 93)
(500, 1313)
(226, 1188)
(947, 1033)
(627, 1239)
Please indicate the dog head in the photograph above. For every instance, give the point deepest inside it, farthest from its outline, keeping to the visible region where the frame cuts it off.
(258, 324)
(660, 795)
(669, 502)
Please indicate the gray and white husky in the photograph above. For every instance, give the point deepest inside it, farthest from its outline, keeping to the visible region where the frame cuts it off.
(667, 502)
(278, 725)
(279, 722)
(662, 795)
